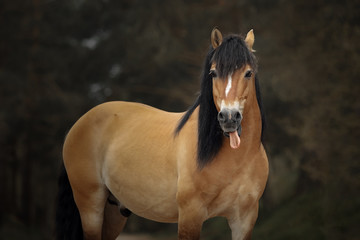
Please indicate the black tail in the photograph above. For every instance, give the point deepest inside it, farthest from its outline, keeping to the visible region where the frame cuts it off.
(68, 222)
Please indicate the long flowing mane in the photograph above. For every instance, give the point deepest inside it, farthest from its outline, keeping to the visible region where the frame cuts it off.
(230, 55)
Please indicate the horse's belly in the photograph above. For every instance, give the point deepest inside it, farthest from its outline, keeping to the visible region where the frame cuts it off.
(147, 199)
(148, 190)
(160, 210)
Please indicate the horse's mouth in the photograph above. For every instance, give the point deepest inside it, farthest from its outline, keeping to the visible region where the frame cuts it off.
(227, 129)
(234, 135)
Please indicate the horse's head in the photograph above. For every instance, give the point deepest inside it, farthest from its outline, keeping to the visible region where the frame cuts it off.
(233, 69)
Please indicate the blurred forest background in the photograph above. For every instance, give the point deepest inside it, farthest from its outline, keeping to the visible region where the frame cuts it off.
(59, 58)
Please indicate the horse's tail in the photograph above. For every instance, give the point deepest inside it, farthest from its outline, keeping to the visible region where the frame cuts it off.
(68, 222)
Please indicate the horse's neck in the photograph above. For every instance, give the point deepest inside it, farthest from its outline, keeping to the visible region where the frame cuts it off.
(251, 124)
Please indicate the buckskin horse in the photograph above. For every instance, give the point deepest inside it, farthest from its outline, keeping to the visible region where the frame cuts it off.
(171, 167)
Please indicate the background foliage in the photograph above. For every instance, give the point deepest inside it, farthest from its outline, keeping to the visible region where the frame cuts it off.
(60, 58)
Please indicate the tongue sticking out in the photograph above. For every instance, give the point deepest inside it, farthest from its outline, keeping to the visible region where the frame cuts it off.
(234, 139)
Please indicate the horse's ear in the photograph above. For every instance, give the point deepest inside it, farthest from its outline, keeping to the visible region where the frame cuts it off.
(216, 38)
(249, 40)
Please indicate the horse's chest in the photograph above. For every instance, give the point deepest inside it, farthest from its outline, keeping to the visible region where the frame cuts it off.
(231, 193)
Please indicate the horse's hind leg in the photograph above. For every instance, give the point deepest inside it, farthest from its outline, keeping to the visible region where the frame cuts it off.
(114, 222)
(91, 207)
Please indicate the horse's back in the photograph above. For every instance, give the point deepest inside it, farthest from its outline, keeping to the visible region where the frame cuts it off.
(102, 124)
(131, 127)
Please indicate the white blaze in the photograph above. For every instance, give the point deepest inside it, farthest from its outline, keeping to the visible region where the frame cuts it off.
(235, 105)
(228, 87)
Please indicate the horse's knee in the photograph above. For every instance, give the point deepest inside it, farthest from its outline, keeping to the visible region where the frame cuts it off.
(189, 232)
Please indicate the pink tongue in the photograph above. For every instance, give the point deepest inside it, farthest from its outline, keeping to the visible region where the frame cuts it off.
(234, 140)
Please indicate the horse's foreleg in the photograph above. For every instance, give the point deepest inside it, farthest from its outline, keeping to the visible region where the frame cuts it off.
(242, 223)
(191, 217)
(189, 225)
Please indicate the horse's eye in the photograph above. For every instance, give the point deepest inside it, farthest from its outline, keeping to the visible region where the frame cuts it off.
(213, 73)
(248, 74)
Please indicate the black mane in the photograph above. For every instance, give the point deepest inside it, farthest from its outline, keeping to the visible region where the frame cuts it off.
(230, 55)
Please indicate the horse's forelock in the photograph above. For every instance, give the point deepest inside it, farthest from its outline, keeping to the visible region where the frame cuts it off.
(231, 55)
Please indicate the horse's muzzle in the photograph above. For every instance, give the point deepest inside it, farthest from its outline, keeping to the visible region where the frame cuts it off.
(230, 121)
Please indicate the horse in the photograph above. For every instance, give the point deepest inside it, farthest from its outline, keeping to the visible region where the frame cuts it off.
(123, 157)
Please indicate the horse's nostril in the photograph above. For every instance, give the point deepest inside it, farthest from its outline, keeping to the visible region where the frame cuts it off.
(237, 116)
(221, 116)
